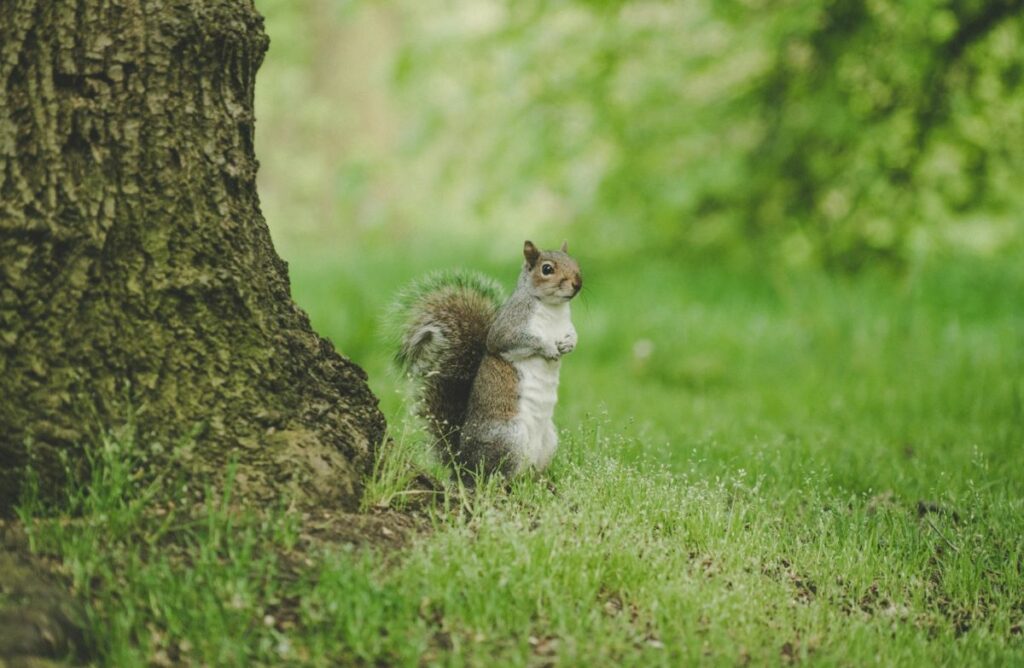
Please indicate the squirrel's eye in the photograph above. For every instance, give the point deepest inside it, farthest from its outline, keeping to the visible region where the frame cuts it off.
(547, 269)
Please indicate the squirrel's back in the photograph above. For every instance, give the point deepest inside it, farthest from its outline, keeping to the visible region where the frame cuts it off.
(443, 321)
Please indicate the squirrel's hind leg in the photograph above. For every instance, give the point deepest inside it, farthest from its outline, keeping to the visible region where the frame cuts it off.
(549, 443)
(492, 447)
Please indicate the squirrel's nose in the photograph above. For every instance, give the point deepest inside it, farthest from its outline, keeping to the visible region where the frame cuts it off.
(577, 283)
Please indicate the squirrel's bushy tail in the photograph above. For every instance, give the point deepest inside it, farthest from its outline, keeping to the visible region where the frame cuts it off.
(442, 322)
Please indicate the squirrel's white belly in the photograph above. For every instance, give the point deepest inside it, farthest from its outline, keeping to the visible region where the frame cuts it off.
(538, 393)
(538, 386)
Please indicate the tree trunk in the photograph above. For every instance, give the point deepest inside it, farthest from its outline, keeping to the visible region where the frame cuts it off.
(138, 280)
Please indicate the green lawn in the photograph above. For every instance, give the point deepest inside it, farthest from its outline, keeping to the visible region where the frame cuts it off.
(756, 467)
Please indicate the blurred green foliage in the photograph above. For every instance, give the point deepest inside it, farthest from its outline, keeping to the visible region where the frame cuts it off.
(814, 132)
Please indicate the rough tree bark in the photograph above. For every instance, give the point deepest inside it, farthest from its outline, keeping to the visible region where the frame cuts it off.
(138, 276)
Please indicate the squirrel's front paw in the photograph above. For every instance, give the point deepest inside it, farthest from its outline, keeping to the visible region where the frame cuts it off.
(567, 343)
(550, 352)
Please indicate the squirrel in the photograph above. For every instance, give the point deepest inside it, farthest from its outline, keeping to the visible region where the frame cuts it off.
(486, 369)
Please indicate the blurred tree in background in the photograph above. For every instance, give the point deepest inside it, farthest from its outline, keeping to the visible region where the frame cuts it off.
(813, 132)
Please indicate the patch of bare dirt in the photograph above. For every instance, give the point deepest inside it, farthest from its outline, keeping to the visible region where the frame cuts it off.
(805, 589)
(378, 528)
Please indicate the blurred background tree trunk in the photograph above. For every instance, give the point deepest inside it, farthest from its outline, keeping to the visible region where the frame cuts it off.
(139, 284)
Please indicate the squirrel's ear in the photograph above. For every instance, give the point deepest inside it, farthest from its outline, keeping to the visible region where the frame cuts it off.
(565, 246)
(531, 253)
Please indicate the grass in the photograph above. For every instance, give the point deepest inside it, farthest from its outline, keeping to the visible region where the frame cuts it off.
(756, 467)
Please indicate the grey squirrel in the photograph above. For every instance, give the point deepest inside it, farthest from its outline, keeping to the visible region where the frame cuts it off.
(486, 370)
